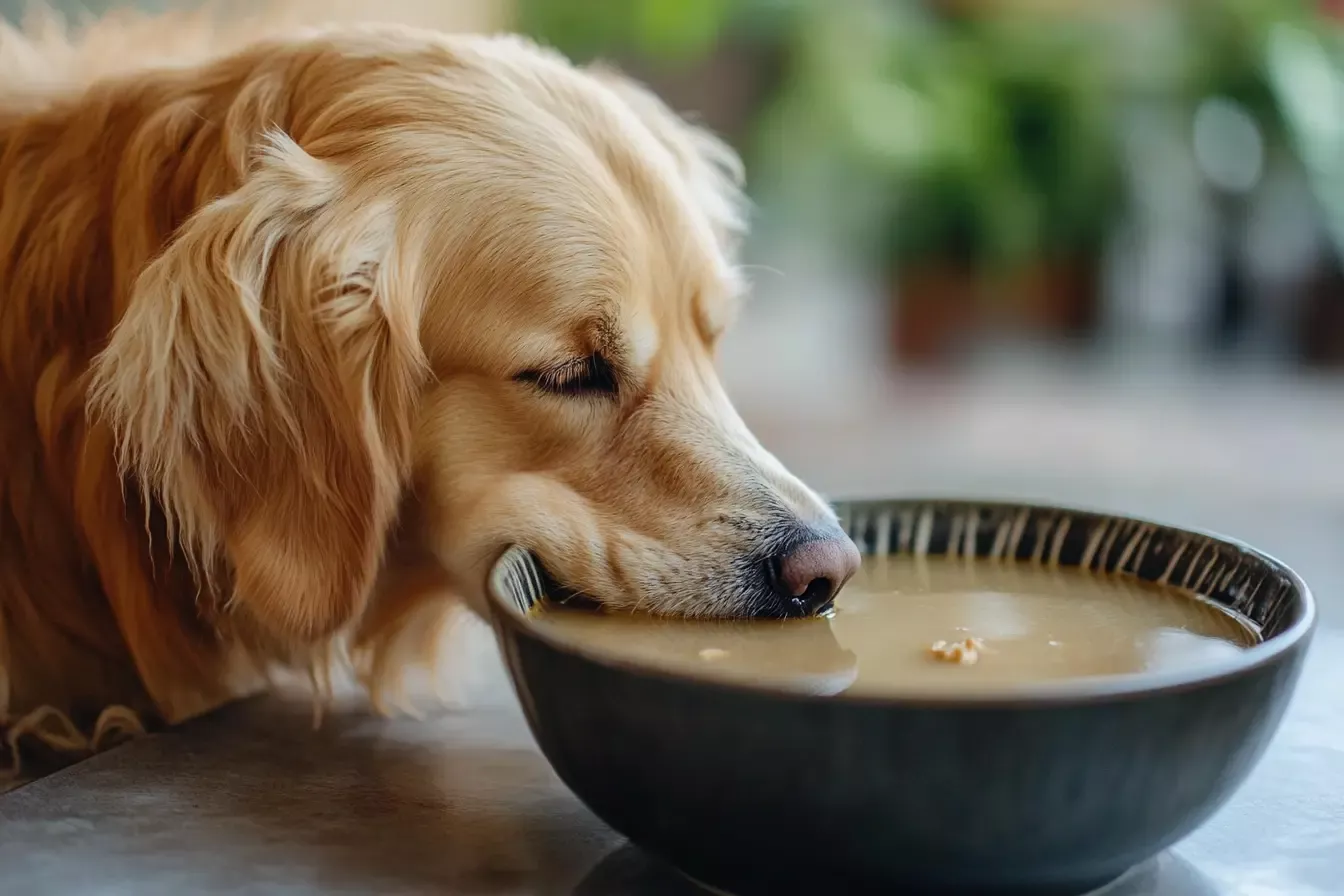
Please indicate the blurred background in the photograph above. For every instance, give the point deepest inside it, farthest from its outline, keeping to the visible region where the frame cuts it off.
(1062, 249)
(1071, 250)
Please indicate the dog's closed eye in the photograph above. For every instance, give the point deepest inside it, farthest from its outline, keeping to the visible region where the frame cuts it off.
(579, 378)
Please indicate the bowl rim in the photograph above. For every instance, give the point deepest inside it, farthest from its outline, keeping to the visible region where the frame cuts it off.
(1071, 691)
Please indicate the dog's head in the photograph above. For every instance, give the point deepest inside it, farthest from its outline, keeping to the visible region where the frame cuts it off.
(470, 296)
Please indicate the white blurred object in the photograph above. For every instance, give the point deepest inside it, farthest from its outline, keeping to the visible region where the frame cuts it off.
(1229, 147)
(1161, 276)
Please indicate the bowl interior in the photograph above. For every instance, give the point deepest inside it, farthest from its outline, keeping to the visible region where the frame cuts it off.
(1243, 581)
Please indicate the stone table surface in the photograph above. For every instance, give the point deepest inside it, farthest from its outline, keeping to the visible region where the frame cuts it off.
(252, 800)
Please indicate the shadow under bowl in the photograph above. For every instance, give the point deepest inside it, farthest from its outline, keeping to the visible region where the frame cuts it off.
(1055, 788)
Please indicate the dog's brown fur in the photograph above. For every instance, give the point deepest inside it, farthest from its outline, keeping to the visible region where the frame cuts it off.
(263, 311)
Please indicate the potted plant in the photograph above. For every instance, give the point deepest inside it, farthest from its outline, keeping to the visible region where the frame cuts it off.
(1055, 99)
(1007, 211)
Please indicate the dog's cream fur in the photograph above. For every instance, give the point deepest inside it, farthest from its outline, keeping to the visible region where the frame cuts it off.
(264, 307)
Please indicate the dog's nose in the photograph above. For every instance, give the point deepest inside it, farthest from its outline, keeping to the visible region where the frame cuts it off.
(809, 575)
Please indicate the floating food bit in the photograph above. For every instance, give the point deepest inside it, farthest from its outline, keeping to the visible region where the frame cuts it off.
(710, 654)
(965, 652)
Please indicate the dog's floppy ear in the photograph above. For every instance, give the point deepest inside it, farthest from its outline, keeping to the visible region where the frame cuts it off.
(261, 385)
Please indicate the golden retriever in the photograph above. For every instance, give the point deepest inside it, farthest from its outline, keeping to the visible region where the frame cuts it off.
(297, 334)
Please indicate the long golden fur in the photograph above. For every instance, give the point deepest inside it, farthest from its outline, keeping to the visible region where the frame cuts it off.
(289, 333)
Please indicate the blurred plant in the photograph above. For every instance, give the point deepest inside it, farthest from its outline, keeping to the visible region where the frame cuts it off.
(657, 28)
(947, 130)
(676, 32)
(1231, 37)
(1306, 72)
(1023, 164)
(983, 140)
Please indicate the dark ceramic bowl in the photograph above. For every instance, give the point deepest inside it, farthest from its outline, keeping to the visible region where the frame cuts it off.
(1056, 789)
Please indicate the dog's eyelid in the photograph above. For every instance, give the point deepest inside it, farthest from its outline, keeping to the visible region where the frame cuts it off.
(591, 375)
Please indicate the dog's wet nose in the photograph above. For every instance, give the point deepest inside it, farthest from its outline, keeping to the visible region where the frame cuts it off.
(810, 574)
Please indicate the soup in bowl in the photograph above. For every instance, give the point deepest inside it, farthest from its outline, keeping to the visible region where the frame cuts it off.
(911, 624)
(1005, 699)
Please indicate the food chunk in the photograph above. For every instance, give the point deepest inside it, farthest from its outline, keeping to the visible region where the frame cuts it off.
(965, 652)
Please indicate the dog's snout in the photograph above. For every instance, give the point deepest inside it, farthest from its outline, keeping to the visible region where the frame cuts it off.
(807, 576)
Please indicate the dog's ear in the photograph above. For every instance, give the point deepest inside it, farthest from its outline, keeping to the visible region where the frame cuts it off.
(261, 385)
(712, 169)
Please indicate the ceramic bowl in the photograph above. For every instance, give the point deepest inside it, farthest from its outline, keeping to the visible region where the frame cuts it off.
(1052, 789)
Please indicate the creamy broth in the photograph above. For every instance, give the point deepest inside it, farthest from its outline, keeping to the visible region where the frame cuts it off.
(899, 626)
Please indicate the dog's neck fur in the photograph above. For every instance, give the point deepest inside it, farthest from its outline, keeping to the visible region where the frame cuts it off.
(101, 176)
(101, 601)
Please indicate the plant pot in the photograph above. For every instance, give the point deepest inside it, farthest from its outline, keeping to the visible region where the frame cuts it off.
(1055, 297)
(1320, 331)
(935, 310)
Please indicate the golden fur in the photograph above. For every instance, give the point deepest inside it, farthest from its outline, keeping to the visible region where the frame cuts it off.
(280, 326)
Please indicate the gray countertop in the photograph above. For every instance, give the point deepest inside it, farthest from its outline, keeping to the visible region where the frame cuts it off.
(252, 800)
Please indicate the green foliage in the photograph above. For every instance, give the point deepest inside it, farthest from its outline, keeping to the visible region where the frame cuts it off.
(987, 138)
(659, 31)
(1021, 158)
(1231, 35)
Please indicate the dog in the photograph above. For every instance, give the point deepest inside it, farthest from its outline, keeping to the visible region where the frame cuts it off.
(299, 331)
